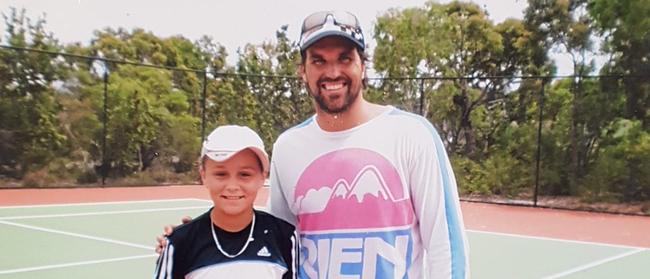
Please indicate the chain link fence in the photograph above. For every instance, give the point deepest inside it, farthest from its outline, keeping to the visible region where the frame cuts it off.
(564, 142)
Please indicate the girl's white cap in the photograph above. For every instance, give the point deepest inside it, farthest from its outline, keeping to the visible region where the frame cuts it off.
(226, 141)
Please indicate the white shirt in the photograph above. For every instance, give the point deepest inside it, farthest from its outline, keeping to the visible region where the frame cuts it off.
(369, 201)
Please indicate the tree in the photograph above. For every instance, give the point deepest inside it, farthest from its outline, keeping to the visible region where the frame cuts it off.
(273, 103)
(30, 137)
(624, 25)
(566, 24)
(621, 170)
(457, 40)
(410, 43)
(148, 109)
(476, 115)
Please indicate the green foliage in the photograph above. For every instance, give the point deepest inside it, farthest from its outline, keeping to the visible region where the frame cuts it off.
(500, 174)
(30, 135)
(507, 175)
(269, 105)
(625, 25)
(455, 39)
(508, 170)
(88, 177)
(622, 169)
(182, 145)
(38, 178)
(595, 140)
(470, 176)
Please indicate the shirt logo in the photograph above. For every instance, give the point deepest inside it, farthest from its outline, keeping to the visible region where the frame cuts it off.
(355, 217)
(263, 252)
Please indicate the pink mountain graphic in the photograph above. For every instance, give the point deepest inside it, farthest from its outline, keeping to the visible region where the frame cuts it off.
(345, 194)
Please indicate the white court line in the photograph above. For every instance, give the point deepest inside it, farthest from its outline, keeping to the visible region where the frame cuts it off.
(263, 208)
(208, 201)
(592, 264)
(96, 203)
(559, 240)
(78, 235)
(202, 200)
(3, 221)
(17, 270)
(100, 213)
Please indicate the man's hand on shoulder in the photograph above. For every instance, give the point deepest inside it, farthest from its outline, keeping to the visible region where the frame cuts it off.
(167, 230)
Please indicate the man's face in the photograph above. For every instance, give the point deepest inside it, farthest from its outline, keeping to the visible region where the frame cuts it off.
(333, 72)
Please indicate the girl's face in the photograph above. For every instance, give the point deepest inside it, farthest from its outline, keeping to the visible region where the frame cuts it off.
(233, 183)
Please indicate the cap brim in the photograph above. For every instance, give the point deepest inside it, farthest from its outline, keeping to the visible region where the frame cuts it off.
(221, 156)
(320, 34)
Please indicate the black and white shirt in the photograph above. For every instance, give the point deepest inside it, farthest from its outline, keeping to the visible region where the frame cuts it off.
(192, 251)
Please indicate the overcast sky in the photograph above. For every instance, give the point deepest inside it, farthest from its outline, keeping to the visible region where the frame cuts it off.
(232, 23)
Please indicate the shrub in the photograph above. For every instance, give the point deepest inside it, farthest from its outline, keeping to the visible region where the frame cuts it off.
(87, 177)
(470, 176)
(38, 178)
(622, 169)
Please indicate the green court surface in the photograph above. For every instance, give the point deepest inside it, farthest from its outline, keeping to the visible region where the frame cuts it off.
(116, 240)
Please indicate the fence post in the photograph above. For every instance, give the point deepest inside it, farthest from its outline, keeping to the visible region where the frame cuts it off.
(539, 141)
(104, 167)
(422, 97)
(203, 101)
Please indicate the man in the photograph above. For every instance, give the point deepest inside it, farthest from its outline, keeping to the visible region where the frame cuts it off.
(369, 187)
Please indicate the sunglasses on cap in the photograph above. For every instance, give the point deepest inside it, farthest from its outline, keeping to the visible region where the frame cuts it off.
(330, 23)
(318, 19)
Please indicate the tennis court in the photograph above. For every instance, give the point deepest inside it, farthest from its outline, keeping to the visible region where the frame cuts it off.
(115, 239)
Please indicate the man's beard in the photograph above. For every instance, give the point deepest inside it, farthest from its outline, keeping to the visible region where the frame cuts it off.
(349, 97)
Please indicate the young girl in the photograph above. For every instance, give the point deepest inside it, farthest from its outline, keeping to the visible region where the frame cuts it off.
(231, 240)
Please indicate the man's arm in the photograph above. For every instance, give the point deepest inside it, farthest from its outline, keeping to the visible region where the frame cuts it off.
(161, 240)
(437, 207)
(165, 263)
